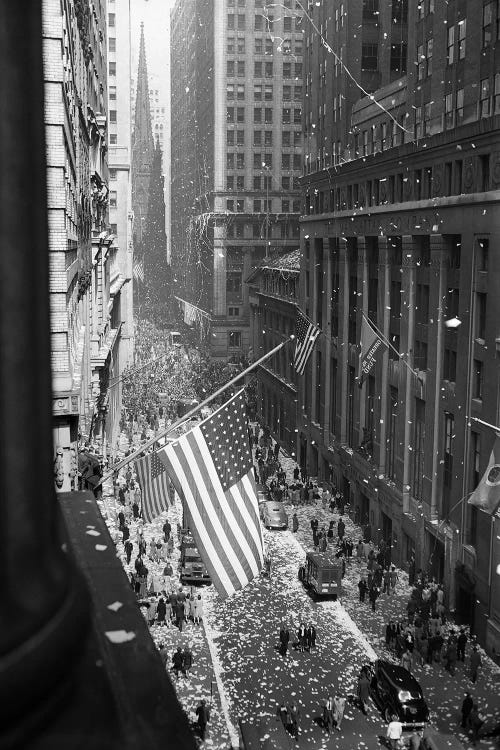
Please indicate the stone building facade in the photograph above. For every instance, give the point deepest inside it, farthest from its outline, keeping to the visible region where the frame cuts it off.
(404, 233)
(236, 155)
(74, 50)
(273, 289)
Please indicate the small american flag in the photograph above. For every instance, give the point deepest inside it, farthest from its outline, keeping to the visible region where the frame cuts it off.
(211, 468)
(306, 334)
(154, 483)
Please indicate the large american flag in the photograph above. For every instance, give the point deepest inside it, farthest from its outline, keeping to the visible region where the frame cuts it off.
(154, 482)
(306, 334)
(211, 468)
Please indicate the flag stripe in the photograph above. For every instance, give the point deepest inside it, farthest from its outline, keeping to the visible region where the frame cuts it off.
(211, 467)
(303, 351)
(226, 510)
(154, 489)
(217, 569)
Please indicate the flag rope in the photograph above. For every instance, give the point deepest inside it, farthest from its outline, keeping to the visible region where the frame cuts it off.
(486, 424)
(192, 411)
(388, 343)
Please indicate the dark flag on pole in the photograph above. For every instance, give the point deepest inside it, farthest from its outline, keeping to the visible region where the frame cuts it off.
(306, 334)
(487, 493)
(211, 468)
(372, 345)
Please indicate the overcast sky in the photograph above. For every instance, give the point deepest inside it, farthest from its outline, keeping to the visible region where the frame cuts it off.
(155, 15)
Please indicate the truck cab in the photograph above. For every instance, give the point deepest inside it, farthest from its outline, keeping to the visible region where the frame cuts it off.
(193, 569)
(322, 574)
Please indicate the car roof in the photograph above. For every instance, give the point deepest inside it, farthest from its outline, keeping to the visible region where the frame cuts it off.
(398, 675)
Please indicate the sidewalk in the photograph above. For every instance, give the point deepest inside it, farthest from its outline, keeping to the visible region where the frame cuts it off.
(202, 680)
(444, 693)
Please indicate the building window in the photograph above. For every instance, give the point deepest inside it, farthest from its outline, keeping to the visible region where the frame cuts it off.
(230, 205)
(241, 22)
(420, 62)
(450, 57)
(240, 114)
(286, 116)
(480, 316)
(496, 106)
(230, 138)
(398, 57)
(462, 30)
(240, 91)
(111, 19)
(240, 205)
(257, 115)
(230, 182)
(485, 103)
(287, 70)
(230, 114)
(230, 21)
(369, 57)
(240, 137)
(240, 182)
(234, 339)
(112, 68)
(487, 17)
(351, 390)
(112, 44)
(240, 161)
(257, 206)
(268, 115)
(449, 434)
(450, 365)
(428, 54)
(418, 449)
(268, 92)
(113, 139)
(230, 45)
(112, 198)
(112, 115)
(297, 116)
(230, 68)
(449, 113)
(477, 379)
(370, 10)
(233, 312)
(459, 112)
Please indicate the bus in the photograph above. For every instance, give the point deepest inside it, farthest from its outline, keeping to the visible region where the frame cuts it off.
(322, 574)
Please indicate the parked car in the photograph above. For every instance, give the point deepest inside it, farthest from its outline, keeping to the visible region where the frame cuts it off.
(396, 692)
(274, 515)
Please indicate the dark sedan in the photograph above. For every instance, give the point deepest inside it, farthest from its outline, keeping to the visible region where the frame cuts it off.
(397, 693)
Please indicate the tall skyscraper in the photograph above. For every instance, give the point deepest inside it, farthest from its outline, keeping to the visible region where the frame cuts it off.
(120, 192)
(236, 155)
(400, 230)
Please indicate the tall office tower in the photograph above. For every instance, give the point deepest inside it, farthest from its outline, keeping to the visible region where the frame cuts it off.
(142, 150)
(236, 155)
(351, 49)
(399, 233)
(120, 193)
(82, 333)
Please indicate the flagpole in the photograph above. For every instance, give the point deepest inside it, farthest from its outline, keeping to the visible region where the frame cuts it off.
(494, 427)
(192, 411)
(388, 343)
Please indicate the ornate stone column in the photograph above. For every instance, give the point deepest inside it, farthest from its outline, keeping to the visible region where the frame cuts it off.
(43, 602)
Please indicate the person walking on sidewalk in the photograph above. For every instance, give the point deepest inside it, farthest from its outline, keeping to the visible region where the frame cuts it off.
(475, 663)
(294, 715)
(393, 578)
(203, 718)
(461, 644)
(284, 639)
(363, 588)
(467, 705)
(128, 550)
(328, 714)
(178, 662)
(187, 660)
(373, 596)
(340, 529)
(282, 714)
(198, 610)
(338, 711)
(295, 523)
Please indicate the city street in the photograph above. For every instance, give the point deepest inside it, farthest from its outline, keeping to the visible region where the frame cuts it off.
(236, 651)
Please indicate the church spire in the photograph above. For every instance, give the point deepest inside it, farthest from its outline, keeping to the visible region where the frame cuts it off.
(142, 143)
